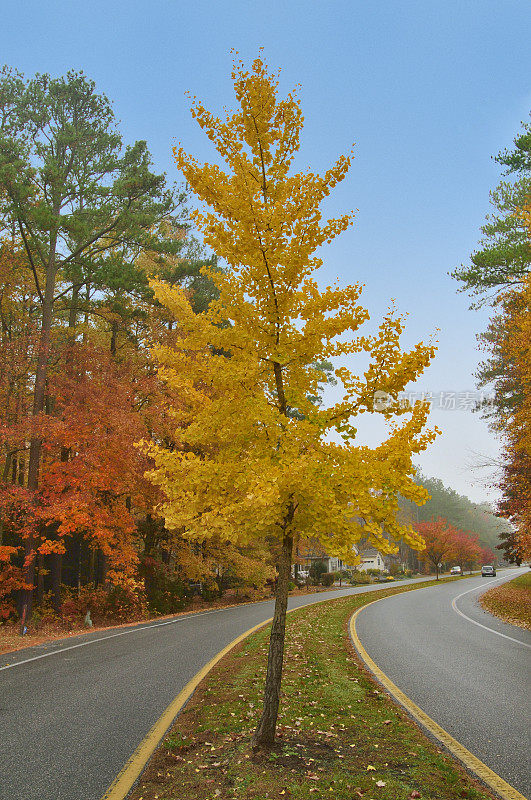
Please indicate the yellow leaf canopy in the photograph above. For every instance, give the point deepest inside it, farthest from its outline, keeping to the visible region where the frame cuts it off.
(250, 440)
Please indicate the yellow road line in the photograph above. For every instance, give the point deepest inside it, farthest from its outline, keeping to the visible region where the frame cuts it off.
(471, 762)
(122, 785)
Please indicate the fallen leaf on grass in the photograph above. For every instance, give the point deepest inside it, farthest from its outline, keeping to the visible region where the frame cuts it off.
(380, 783)
(370, 767)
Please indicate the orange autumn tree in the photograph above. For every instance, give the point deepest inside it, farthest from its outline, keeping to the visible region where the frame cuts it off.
(509, 343)
(91, 469)
(15, 514)
(500, 274)
(467, 550)
(440, 542)
(515, 350)
(18, 337)
(254, 456)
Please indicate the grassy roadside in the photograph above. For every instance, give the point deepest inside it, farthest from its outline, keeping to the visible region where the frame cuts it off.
(511, 601)
(339, 736)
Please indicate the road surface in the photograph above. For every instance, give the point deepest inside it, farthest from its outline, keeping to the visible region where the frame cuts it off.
(467, 670)
(71, 718)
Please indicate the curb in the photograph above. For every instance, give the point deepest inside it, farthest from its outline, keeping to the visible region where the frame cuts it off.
(468, 759)
(123, 783)
(129, 774)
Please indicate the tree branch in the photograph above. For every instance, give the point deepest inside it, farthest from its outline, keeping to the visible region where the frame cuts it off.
(32, 264)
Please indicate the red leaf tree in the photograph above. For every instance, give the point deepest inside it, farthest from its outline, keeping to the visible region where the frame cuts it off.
(440, 540)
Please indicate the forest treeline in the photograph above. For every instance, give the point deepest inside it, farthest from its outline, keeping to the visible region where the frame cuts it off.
(499, 276)
(85, 224)
(460, 512)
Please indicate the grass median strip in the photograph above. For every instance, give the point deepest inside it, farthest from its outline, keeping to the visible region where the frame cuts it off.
(338, 735)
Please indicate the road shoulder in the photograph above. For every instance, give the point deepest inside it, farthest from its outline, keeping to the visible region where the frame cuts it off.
(510, 602)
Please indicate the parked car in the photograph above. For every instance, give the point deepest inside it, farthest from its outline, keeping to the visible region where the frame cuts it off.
(455, 571)
(487, 570)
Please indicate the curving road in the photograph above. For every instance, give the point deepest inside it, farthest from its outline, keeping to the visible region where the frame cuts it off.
(73, 712)
(466, 669)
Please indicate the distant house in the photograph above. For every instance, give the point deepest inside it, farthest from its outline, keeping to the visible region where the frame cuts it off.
(367, 556)
(332, 563)
(371, 558)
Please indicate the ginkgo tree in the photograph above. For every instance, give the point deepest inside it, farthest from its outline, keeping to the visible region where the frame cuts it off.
(254, 457)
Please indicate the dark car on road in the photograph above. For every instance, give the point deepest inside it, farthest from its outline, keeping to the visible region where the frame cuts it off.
(488, 571)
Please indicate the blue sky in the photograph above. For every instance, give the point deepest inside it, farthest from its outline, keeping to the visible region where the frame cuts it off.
(428, 91)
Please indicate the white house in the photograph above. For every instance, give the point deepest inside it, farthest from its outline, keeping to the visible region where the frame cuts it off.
(371, 558)
(332, 563)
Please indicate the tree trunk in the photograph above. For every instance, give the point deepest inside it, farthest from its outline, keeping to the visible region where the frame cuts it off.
(114, 337)
(39, 395)
(86, 319)
(102, 563)
(91, 572)
(21, 471)
(76, 558)
(57, 570)
(104, 568)
(264, 735)
(72, 315)
(40, 578)
(149, 536)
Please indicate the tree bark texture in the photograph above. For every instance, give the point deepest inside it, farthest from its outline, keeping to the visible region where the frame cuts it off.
(39, 396)
(57, 569)
(264, 735)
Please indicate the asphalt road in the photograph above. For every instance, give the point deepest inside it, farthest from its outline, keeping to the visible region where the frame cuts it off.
(72, 713)
(466, 669)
